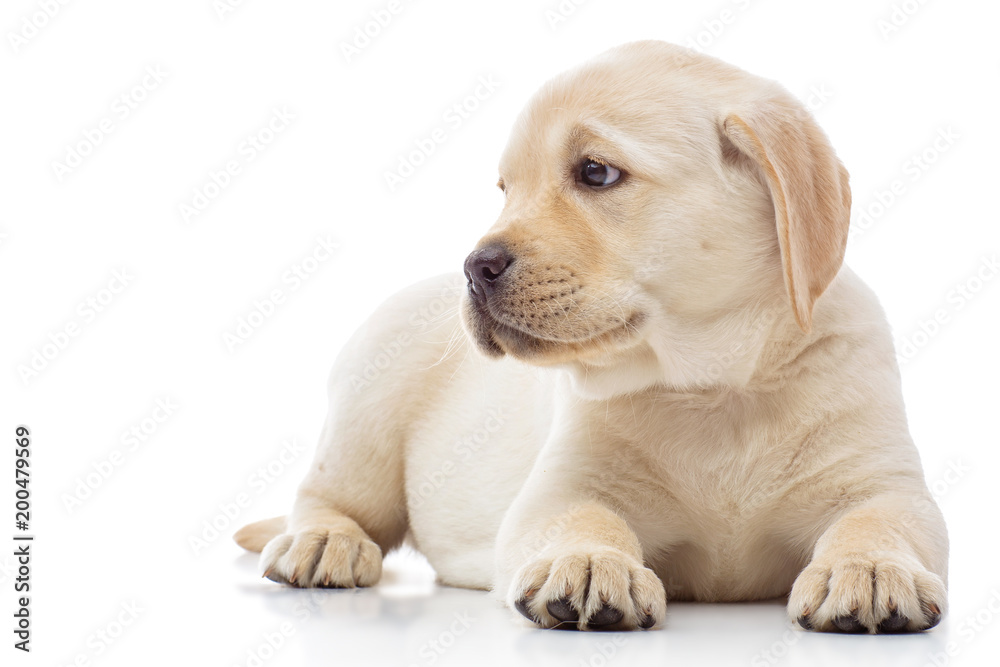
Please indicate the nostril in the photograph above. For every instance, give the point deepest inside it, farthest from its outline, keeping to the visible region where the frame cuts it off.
(492, 262)
(484, 267)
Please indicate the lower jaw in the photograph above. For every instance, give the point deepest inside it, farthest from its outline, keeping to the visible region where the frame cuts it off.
(548, 353)
(496, 339)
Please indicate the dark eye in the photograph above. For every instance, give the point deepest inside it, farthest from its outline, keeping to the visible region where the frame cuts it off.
(598, 175)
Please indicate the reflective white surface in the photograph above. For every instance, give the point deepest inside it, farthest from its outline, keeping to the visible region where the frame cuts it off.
(222, 613)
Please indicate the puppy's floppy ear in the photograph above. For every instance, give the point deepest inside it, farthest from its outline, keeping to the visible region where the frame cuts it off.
(809, 188)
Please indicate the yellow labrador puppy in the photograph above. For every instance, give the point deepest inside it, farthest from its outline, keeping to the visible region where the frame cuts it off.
(667, 385)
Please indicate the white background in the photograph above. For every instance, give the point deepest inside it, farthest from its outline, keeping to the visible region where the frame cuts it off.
(882, 96)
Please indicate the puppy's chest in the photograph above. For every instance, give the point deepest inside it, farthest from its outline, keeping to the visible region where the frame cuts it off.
(710, 470)
(730, 488)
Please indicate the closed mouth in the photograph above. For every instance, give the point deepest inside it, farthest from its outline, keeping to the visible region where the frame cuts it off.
(497, 335)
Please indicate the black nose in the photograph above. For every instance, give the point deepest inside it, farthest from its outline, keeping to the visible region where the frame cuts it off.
(484, 267)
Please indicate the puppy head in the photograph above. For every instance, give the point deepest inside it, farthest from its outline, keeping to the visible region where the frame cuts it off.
(663, 210)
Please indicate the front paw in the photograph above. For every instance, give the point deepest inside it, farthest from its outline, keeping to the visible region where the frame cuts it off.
(606, 590)
(322, 558)
(887, 593)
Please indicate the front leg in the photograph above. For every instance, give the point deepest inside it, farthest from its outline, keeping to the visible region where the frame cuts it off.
(580, 565)
(880, 567)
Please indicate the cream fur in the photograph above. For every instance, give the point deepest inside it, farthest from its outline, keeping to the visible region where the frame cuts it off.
(678, 393)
